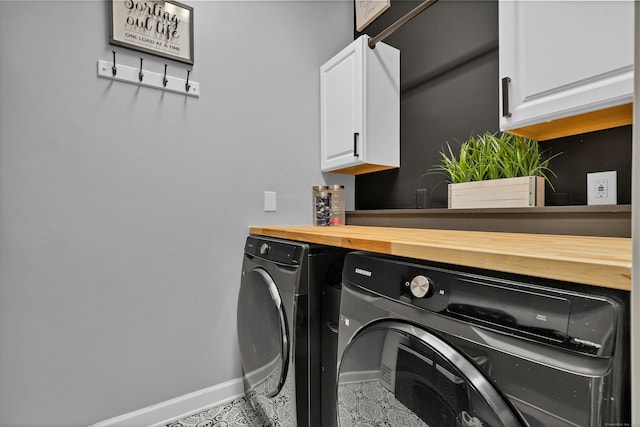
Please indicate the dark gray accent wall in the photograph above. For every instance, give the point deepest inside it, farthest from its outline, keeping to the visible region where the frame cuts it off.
(590, 152)
(449, 90)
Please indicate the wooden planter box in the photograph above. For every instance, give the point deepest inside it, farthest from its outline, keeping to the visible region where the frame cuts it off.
(518, 192)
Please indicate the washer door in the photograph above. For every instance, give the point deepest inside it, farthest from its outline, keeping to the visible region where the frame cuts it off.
(262, 333)
(393, 373)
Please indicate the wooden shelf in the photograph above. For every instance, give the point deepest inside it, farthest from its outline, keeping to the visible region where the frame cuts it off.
(604, 221)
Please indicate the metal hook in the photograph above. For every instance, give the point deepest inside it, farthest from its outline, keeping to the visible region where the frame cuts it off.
(164, 78)
(187, 85)
(140, 75)
(114, 70)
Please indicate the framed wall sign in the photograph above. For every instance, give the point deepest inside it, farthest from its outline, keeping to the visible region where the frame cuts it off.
(368, 10)
(159, 27)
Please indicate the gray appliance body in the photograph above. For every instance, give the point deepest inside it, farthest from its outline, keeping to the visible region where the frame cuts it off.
(477, 348)
(278, 325)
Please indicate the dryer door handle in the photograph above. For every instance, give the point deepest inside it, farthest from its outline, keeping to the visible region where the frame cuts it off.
(333, 327)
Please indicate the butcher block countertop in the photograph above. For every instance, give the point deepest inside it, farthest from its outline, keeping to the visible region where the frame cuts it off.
(599, 261)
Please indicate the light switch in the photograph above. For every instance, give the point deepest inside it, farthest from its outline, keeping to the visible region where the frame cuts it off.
(269, 201)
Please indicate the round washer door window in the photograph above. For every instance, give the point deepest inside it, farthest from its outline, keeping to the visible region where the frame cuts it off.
(262, 333)
(394, 373)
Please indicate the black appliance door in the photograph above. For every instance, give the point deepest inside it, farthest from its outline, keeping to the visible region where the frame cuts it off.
(394, 373)
(262, 333)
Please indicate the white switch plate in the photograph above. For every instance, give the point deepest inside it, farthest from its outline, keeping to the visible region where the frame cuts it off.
(269, 201)
(602, 188)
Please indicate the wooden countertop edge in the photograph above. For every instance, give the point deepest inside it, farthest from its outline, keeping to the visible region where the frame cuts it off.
(598, 261)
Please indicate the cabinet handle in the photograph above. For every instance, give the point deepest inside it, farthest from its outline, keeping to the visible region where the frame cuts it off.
(505, 97)
(355, 144)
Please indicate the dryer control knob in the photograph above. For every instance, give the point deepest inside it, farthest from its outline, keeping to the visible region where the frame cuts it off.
(265, 249)
(421, 286)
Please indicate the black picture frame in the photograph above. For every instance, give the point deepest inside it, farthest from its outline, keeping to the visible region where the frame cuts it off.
(162, 28)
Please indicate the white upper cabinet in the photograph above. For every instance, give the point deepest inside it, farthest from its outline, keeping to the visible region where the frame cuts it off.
(561, 59)
(360, 109)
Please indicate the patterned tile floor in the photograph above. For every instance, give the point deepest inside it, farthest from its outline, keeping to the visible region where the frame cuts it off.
(365, 403)
(253, 410)
(233, 414)
(369, 403)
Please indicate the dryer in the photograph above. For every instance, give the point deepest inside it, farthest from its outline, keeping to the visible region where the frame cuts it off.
(278, 326)
(439, 345)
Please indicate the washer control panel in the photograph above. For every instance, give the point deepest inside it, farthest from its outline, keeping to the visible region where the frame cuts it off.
(572, 320)
(274, 251)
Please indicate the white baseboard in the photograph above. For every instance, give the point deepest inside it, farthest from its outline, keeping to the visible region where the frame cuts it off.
(163, 413)
(359, 376)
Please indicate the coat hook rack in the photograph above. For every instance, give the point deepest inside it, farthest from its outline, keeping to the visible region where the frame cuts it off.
(147, 78)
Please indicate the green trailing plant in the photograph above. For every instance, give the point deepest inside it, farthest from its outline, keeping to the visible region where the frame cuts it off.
(492, 156)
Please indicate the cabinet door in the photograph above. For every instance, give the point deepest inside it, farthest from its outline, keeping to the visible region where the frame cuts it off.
(563, 58)
(341, 109)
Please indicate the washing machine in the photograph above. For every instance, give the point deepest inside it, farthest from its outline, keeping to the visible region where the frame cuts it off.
(426, 344)
(278, 327)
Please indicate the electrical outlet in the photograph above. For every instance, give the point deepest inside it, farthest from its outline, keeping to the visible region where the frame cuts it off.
(602, 188)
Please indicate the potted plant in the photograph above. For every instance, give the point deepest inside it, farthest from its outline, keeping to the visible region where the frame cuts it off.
(494, 170)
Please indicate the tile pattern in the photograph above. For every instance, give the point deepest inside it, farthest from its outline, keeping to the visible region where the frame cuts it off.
(236, 413)
(362, 404)
(253, 410)
(368, 403)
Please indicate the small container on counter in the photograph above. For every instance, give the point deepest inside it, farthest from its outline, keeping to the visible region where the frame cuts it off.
(337, 204)
(321, 198)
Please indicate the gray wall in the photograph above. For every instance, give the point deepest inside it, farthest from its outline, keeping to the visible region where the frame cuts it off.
(123, 210)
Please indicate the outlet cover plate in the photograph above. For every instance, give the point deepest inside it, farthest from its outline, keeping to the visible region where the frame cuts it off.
(602, 188)
(269, 201)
